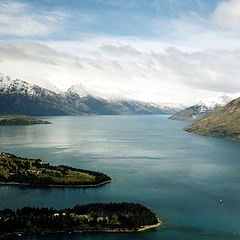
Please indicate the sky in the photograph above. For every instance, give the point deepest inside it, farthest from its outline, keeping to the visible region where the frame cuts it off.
(178, 51)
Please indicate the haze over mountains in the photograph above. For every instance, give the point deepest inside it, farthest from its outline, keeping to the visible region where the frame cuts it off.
(20, 97)
(202, 108)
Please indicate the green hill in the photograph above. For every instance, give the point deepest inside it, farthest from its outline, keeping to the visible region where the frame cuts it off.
(18, 170)
(223, 123)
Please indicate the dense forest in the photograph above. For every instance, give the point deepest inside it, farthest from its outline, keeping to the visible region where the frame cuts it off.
(90, 217)
(14, 169)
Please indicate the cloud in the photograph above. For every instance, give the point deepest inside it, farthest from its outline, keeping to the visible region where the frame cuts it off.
(227, 14)
(121, 50)
(197, 34)
(181, 58)
(21, 19)
(37, 63)
(213, 70)
(155, 73)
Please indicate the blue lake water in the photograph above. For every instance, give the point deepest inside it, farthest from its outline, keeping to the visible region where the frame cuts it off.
(180, 176)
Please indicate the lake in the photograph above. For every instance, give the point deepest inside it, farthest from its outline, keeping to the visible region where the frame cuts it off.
(179, 176)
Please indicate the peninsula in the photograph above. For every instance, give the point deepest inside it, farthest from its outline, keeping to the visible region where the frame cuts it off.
(95, 217)
(18, 170)
(223, 123)
(20, 120)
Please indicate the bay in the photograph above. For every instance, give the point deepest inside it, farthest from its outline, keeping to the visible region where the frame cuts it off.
(179, 176)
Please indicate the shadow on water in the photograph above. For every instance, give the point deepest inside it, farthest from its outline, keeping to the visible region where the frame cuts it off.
(163, 233)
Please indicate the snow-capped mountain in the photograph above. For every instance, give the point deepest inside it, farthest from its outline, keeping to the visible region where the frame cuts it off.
(202, 108)
(213, 103)
(20, 97)
(17, 86)
(94, 91)
(114, 98)
(80, 90)
(171, 107)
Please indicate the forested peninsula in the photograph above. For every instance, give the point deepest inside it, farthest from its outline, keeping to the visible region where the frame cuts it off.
(18, 170)
(95, 217)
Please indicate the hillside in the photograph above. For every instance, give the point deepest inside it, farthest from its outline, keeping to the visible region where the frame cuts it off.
(223, 123)
(18, 97)
(201, 109)
(192, 113)
(20, 120)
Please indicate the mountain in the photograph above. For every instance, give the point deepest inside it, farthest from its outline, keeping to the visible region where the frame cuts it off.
(125, 106)
(22, 98)
(80, 90)
(223, 123)
(201, 109)
(84, 91)
(19, 97)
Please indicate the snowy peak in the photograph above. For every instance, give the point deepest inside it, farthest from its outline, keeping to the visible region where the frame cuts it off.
(7, 85)
(17, 86)
(96, 92)
(202, 108)
(79, 89)
(25, 98)
(213, 103)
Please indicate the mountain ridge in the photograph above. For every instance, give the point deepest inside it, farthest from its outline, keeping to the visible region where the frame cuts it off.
(201, 109)
(20, 97)
(222, 123)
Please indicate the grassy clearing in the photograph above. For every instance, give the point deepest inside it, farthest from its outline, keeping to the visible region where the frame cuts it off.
(14, 169)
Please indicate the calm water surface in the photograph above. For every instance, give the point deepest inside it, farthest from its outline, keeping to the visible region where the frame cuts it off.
(179, 176)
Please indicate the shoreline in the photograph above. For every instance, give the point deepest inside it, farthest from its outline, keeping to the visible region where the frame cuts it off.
(55, 185)
(147, 227)
(54, 176)
(142, 229)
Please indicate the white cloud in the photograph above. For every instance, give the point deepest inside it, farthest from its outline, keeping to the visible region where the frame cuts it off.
(20, 19)
(125, 50)
(227, 14)
(213, 70)
(156, 73)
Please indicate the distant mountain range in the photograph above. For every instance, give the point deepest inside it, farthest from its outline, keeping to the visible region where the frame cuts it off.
(223, 123)
(201, 109)
(20, 97)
